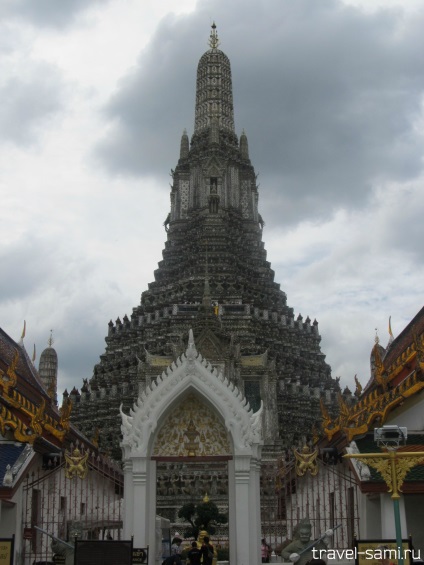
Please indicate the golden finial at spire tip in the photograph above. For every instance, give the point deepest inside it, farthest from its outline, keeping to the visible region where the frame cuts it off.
(213, 38)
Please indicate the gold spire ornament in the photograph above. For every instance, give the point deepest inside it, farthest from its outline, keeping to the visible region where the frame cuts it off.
(390, 330)
(358, 389)
(213, 38)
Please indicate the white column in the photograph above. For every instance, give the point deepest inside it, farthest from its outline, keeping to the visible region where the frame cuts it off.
(255, 511)
(232, 511)
(243, 509)
(128, 500)
(140, 502)
(369, 507)
(151, 515)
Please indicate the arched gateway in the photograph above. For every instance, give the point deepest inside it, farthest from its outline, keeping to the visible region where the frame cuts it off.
(192, 376)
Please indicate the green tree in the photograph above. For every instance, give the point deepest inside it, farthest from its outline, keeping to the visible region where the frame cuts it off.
(204, 516)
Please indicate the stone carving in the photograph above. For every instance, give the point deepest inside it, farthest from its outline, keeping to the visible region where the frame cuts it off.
(210, 437)
(190, 371)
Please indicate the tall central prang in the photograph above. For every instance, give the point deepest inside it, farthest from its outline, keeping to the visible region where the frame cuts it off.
(214, 278)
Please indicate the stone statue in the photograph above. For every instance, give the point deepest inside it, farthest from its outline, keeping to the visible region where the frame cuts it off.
(300, 543)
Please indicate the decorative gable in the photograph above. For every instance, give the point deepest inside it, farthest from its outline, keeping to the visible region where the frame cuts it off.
(191, 374)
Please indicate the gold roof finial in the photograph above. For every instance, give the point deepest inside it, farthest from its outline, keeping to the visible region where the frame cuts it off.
(358, 389)
(213, 38)
(24, 330)
(377, 340)
(51, 340)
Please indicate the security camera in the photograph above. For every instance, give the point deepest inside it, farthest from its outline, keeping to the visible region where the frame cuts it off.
(390, 436)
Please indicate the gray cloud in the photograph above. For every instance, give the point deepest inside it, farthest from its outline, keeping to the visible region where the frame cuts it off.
(22, 260)
(329, 97)
(28, 102)
(46, 13)
(55, 285)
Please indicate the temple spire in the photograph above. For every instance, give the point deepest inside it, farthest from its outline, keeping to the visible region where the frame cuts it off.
(213, 38)
(214, 90)
(184, 146)
(48, 369)
(244, 146)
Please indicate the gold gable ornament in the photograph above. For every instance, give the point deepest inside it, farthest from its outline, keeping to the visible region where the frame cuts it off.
(306, 460)
(76, 464)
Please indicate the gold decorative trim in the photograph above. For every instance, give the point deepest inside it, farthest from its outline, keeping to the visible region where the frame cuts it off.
(38, 418)
(357, 420)
(254, 360)
(65, 413)
(10, 422)
(9, 378)
(393, 466)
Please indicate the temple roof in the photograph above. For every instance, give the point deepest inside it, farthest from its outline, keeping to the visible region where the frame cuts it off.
(398, 376)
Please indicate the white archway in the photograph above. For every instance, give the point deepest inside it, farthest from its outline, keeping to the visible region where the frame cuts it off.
(192, 373)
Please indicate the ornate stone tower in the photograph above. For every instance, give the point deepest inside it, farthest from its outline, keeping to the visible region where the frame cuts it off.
(47, 369)
(214, 278)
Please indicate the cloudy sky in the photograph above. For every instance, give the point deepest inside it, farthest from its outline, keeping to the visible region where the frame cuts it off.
(94, 98)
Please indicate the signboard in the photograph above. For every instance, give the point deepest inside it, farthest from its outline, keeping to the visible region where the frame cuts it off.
(103, 552)
(6, 551)
(140, 555)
